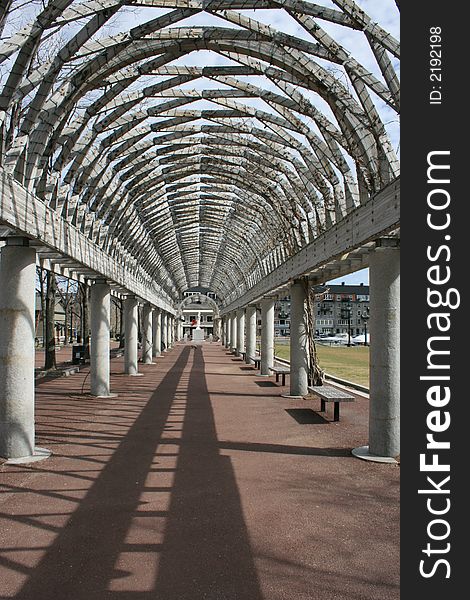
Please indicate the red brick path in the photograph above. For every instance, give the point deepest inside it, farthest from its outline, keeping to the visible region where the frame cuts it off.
(199, 482)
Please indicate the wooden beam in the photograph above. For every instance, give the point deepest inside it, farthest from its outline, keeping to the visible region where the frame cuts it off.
(29, 216)
(374, 219)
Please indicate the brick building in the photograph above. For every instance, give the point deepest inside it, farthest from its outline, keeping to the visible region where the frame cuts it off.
(342, 307)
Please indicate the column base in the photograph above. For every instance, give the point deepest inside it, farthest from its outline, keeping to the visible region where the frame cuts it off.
(108, 396)
(364, 453)
(39, 454)
(134, 374)
(292, 397)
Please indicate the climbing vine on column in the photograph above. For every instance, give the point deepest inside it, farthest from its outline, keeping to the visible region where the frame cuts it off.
(315, 374)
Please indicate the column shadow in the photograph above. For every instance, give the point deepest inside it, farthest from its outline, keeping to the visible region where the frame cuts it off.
(206, 551)
(198, 542)
(80, 563)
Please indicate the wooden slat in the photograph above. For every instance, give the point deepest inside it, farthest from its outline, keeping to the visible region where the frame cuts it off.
(380, 215)
(29, 216)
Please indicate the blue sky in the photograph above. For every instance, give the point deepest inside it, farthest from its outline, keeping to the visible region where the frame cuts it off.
(382, 11)
(361, 276)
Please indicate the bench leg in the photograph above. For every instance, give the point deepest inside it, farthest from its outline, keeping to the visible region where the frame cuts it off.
(283, 379)
(322, 406)
(336, 416)
(277, 377)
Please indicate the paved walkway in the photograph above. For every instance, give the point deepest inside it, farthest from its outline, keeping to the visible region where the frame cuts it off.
(199, 482)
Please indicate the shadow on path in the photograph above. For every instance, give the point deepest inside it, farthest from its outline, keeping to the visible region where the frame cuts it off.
(205, 552)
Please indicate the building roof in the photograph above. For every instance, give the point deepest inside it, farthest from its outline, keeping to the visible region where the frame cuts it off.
(360, 289)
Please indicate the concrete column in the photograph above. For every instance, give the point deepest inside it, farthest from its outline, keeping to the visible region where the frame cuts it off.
(233, 332)
(179, 329)
(222, 330)
(17, 333)
(169, 334)
(384, 323)
(147, 335)
(267, 335)
(251, 317)
(298, 341)
(157, 332)
(228, 330)
(131, 340)
(100, 301)
(240, 331)
(165, 331)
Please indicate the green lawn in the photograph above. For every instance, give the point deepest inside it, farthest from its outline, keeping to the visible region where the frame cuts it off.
(348, 363)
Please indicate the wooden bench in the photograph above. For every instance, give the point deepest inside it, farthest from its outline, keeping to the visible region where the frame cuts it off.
(280, 371)
(243, 355)
(256, 360)
(328, 393)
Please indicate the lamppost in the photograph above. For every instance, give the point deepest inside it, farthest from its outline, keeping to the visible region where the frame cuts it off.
(365, 317)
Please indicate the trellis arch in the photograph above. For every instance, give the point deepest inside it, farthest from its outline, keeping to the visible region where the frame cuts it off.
(211, 175)
(203, 298)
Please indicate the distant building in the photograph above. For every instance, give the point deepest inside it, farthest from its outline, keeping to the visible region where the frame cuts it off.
(196, 291)
(342, 307)
(200, 312)
(282, 317)
(59, 319)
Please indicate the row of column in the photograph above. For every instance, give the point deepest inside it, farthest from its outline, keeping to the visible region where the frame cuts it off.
(245, 320)
(158, 334)
(17, 352)
(17, 355)
(384, 387)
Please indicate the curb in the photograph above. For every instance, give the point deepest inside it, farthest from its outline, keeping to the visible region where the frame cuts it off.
(343, 382)
(69, 370)
(55, 374)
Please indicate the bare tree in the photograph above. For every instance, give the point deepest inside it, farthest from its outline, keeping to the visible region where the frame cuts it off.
(5, 7)
(41, 275)
(51, 288)
(84, 317)
(118, 321)
(67, 290)
(316, 374)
